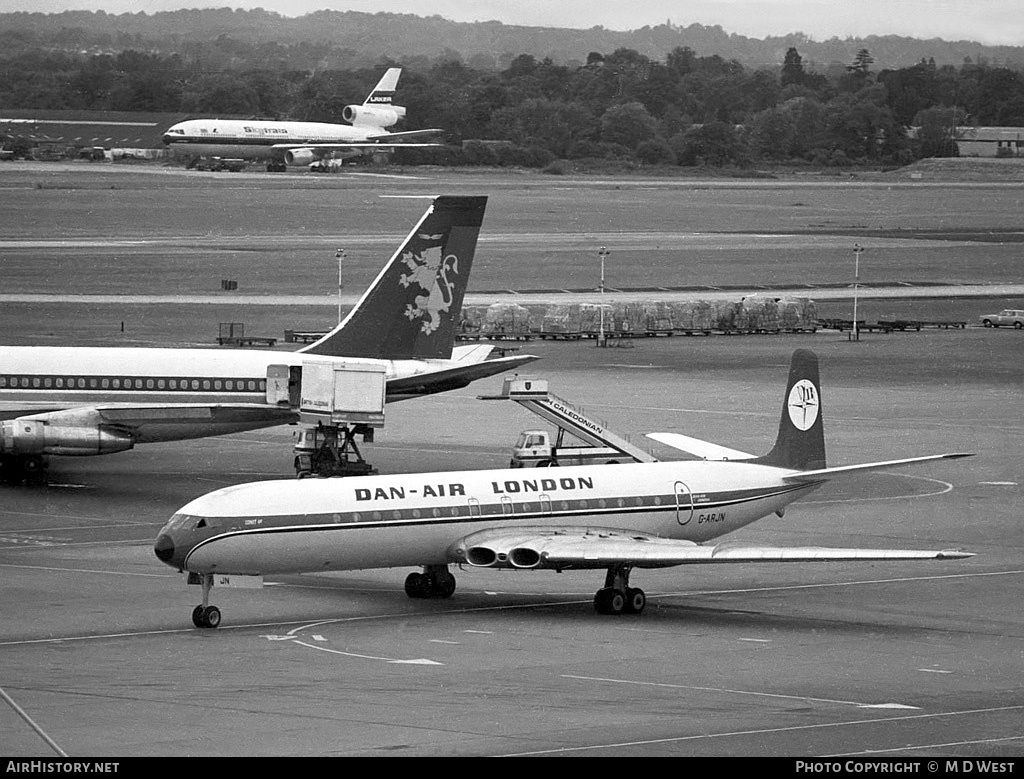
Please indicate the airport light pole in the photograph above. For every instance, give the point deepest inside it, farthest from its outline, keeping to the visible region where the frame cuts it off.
(857, 249)
(339, 256)
(602, 254)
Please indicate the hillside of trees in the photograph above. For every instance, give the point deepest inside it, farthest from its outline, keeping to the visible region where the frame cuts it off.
(347, 40)
(682, 108)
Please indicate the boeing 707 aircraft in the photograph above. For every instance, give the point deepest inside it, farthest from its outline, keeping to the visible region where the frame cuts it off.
(97, 400)
(611, 517)
(300, 144)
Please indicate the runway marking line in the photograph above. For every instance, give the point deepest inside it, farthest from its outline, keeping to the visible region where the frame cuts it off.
(85, 570)
(305, 625)
(417, 661)
(764, 731)
(932, 746)
(729, 691)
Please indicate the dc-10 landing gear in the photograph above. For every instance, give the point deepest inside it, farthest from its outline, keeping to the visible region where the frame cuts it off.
(204, 615)
(435, 582)
(617, 597)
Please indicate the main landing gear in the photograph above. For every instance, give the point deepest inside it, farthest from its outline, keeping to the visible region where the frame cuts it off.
(204, 615)
(23, 468)
(434, 582)
(617, 597)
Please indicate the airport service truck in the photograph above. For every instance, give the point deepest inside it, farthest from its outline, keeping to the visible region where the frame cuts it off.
(337, 400)
(538, 449)
(535, 449)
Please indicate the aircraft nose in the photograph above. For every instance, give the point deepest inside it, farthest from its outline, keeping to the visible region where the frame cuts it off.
(163, 548)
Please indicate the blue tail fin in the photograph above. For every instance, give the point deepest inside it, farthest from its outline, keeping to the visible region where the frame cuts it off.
(413, 307)
(801, 441)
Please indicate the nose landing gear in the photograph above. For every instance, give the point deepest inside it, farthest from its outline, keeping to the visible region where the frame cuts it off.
(204, 615)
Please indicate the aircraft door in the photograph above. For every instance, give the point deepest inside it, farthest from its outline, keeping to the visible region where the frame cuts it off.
(283, 384)
(684, 503)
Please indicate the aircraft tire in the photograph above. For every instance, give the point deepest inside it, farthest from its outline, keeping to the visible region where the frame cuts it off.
(197, 617)
(211, 617)
(415, 586)
(444, 585)
(32, 464)
(610, 601)
(636, 599)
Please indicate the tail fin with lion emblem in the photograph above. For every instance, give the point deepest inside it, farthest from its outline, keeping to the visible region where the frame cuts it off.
(412, 309)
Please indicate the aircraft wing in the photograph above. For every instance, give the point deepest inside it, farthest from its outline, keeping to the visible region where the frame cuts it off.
(169, 421)
(283, 147)
(702, 449)
(461, 375)
(405, 134)
(586, 547)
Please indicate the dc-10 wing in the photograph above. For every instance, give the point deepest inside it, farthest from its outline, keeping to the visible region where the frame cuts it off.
(341, 145)
(405, 134)
(595, 547)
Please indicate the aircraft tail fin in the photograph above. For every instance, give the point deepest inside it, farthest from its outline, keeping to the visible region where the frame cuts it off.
(801, 441)
(383, 93)
(412, 309)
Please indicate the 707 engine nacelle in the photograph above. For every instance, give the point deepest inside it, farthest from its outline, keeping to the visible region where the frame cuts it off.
(375, 116)
(36, 436)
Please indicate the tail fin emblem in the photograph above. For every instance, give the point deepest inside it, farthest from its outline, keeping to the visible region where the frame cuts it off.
(430, 271)
(803, 404)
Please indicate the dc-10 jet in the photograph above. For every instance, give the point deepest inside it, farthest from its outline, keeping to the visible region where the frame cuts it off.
(611, 517)
(63, 400)
(299, 144)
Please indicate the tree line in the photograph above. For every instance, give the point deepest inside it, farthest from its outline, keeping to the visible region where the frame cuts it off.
(684, 110)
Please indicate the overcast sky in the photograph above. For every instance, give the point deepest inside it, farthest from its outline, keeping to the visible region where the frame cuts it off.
(985, 21)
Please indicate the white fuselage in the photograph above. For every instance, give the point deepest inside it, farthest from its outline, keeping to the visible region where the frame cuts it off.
(34, 379)
(301, 526)
(254, 139)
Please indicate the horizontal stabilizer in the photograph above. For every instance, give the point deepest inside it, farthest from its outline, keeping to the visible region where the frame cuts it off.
(702, 449)
(822, 474)
(460, 375)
